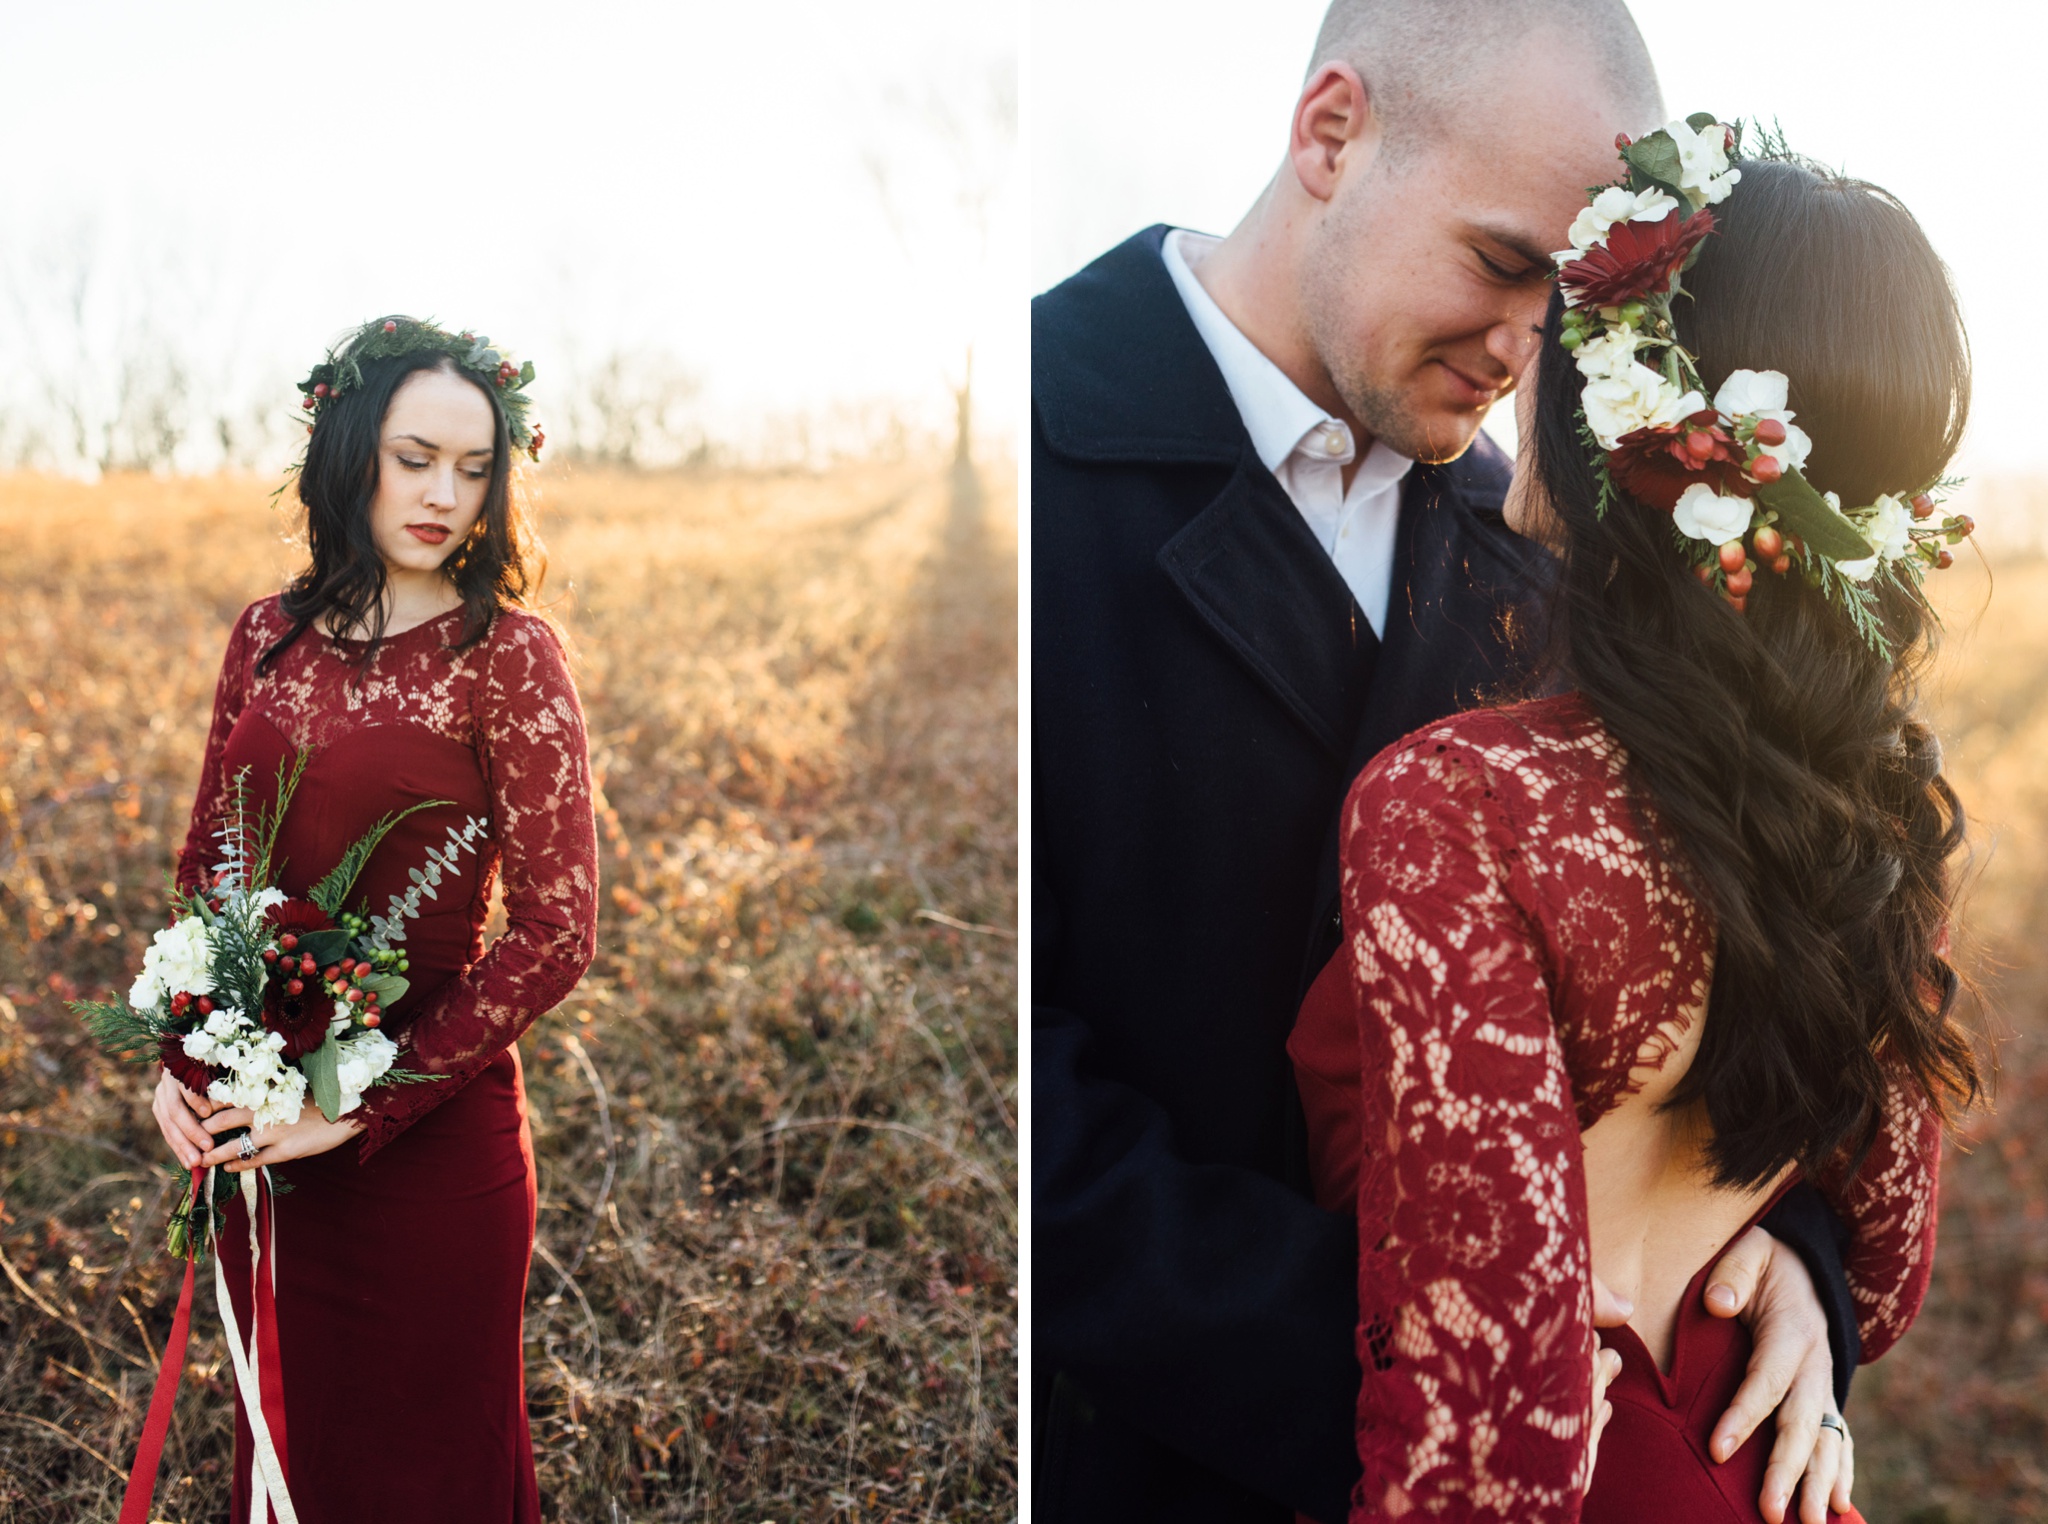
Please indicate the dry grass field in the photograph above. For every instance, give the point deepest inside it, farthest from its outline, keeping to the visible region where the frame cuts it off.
(776, 1125)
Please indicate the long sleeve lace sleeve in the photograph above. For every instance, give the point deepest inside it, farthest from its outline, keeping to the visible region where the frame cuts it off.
(1475, 1329)
(1889, 1205)
(230, 696)
(536, 762)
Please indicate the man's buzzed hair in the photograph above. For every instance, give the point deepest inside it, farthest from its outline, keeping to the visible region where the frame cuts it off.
(1422, 60)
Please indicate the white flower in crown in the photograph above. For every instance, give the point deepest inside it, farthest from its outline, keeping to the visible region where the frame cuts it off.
(1855, 571)
(1703, 173)
(1617, 203)
(1762, 394)
(1704, 514)
(1636, 398)
(1609, 355)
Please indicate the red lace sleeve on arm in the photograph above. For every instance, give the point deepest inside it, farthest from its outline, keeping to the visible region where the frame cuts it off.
(1475, 1292)
(230, 695)
(1890, 1207)
(537, 760)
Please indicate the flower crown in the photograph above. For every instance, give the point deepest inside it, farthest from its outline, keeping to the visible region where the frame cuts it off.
(1731, 470)
(388, 338)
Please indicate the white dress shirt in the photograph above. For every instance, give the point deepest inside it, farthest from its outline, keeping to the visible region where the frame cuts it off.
(1303, 446)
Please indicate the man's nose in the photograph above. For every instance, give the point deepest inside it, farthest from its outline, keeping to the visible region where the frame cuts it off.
(1513, 340)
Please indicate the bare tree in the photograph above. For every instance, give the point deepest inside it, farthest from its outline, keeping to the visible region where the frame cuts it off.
(960, 137)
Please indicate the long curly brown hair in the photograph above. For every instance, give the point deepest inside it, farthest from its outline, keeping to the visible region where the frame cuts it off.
(1787, 760)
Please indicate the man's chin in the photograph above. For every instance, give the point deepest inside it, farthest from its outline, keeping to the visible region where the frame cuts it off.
(1435, 439)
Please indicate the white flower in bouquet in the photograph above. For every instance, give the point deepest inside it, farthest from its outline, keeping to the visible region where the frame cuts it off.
(1704, 514)
(1637, 398)
(364, 1060)
(178, 958)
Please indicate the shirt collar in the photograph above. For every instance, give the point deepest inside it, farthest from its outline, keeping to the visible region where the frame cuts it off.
(1277, 413)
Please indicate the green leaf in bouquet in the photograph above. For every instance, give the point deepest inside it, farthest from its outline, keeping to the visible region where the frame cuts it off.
(323, 1073)
(1700, 121)
(388, 988)
(332, 891)
(1803, 512)
(325, 946)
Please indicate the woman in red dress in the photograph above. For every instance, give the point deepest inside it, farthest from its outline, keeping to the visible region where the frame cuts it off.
(404, 663)
(1624, 960)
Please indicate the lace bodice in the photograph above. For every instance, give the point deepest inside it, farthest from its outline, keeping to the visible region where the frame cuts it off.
(497, 728)
(1519, 956)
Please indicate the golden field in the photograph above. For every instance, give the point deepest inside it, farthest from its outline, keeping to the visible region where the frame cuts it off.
(776, 1125)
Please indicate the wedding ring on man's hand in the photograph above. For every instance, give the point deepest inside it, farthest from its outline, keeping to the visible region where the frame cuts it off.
(1834, 1421)
(247, 1149)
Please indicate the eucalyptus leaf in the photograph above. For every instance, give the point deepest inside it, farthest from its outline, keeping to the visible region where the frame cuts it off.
(1804, 513)
(323, 1073)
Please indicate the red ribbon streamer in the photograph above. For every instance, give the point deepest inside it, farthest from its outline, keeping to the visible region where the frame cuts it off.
(270, 1365)
(142, 1479)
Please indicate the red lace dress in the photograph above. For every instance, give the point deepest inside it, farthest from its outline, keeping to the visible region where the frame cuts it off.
(402, 1256)
(1514, 946)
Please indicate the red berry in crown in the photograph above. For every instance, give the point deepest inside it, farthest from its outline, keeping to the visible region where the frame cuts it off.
(1766, 469)
(389, 326)
(1769, 431)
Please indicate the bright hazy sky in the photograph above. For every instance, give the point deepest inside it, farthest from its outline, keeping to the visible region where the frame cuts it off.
(686, 176)
(1147, 111)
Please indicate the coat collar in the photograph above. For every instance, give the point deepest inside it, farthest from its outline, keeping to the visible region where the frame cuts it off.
(1121, 375)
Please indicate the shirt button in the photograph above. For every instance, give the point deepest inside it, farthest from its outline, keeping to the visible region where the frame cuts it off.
(1334, 442)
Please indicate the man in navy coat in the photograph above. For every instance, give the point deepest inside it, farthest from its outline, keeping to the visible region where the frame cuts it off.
(1267, 541)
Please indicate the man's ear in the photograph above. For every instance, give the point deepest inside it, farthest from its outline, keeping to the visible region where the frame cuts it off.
(1336, 130)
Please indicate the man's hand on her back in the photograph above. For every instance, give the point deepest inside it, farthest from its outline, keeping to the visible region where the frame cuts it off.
(1791, 1373)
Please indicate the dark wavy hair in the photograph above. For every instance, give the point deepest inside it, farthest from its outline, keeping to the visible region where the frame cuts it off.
(500, 565)
(1785, 759)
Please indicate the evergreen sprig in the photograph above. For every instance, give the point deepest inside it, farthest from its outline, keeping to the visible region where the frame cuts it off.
(332, 891)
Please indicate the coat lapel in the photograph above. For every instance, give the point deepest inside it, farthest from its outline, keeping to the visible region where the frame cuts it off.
(1253, 572)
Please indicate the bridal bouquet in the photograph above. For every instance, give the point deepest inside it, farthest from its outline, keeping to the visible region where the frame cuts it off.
(253, 998)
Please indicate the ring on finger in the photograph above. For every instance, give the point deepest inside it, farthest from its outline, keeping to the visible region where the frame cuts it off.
(246, 1149)
(1834, 1421)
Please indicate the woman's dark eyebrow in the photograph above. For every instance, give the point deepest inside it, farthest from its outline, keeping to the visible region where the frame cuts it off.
(428, 444)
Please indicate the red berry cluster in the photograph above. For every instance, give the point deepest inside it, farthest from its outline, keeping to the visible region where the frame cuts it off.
(185, 1001)
(340, 982)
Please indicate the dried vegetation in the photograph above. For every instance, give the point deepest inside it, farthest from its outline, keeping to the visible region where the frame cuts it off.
(776, 1124)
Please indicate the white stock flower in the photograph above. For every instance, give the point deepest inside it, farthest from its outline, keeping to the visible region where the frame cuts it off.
(1615, 204)
(364, 1061)
(1609, 355)
(1637, 398)
(1703, 171)
(1762, 394)
(1704, 514)
(175, 960)
(1887, 525)
(265, 898)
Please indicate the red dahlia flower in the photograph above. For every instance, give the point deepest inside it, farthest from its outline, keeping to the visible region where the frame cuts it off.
(298, 916)
(1638, 260)
(181, 1066)
(300, 1019)
(1655, 466)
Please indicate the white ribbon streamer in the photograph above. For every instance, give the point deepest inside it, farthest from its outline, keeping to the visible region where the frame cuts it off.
(266, 1477)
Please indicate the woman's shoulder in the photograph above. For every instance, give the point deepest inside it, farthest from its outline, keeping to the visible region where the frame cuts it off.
(259, 626)
(1496, 754)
